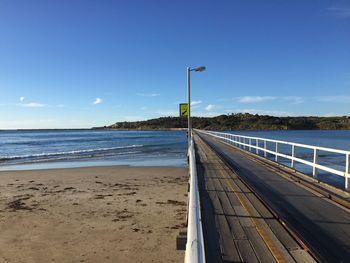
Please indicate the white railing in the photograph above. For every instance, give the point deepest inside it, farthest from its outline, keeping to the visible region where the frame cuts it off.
(255, 143)
(195, 243)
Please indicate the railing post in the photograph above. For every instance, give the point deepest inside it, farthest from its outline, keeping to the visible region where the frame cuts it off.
(276, 154)
(347, 168)
(314, 169)
(293, 155)
(241, 142)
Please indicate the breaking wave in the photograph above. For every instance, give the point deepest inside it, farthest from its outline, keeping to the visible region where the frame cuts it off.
(70, 153)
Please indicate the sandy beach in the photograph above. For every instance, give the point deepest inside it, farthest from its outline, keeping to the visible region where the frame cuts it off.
(99, 214)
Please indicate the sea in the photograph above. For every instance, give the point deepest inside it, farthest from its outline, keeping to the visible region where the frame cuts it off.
(46, 149)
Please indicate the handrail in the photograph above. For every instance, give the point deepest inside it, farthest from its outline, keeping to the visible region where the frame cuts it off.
(253, 142)
(195, 242)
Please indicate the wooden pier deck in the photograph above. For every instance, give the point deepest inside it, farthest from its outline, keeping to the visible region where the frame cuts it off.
(237, 226)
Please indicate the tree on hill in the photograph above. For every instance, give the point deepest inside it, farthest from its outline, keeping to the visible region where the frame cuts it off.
(239, 121)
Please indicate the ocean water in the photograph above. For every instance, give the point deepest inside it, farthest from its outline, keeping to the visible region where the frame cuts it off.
(22, 150)
(76, 148)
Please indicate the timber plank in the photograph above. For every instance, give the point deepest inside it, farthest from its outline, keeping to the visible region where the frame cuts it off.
(236, 228)
(226, 205)
(263, 211)
(282, 234)
(301, 255)
(228, 248)
(276, 243)
(242, 186)
(246, 251)
(217, 184)
(233, 199)
(261, 250)
(212, 242)
(243, 216)
(216, 203)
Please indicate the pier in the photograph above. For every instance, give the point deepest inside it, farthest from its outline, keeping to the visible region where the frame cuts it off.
(252, 209)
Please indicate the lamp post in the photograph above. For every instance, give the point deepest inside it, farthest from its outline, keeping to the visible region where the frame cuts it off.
(198, 69)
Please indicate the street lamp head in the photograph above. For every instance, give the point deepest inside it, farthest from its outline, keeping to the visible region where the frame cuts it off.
(199, 69)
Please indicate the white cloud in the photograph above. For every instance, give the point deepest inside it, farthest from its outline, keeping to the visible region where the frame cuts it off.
(21, 99)
(195, 102)
(148, 94)
(210, 107)
(255, 99)
(294, 99)
(97, 101)
(335, 99)
(33, 105)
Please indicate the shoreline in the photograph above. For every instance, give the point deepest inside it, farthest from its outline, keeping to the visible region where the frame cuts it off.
(83, 163)
(93, 214)
(39, 166)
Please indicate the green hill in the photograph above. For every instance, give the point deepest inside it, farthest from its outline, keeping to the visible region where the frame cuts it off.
(239, 121)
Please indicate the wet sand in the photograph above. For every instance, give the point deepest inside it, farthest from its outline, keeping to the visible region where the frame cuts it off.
(99, 214)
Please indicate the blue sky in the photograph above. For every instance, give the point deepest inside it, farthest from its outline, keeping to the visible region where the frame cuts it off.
(70, 64)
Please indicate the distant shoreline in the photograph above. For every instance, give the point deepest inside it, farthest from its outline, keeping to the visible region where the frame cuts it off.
(229, 122)
(237, 122)
(95, 128)
(141, 129)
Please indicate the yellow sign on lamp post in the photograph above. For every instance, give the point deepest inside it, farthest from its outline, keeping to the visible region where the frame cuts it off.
(183, 109)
